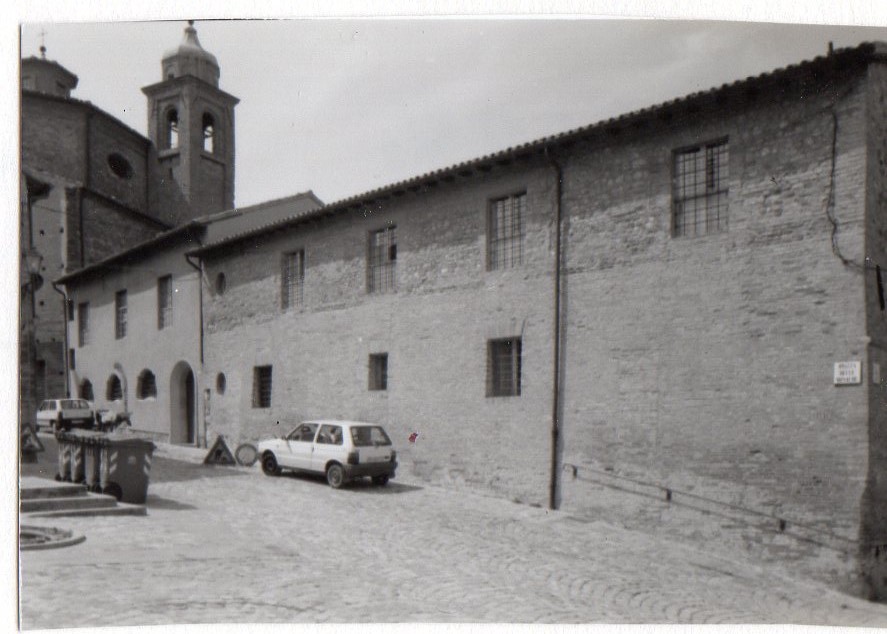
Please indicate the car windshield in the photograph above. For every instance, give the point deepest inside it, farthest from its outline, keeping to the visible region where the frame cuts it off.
(72, 404)
(369, 436)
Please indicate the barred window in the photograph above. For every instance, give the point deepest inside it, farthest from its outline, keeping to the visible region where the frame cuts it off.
(164, 302)
(114, 389)
(505, 232)
(504, 367)
(83, 324)
(700, 189)
(146, 387)
(381, 260)
(262, 386)
(120, 314)
(378, 371)
(292, 280)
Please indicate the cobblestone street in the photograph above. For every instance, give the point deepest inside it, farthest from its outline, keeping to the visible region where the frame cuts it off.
(242, 547)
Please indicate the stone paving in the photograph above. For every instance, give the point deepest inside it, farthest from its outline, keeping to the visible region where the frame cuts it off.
(240, 547)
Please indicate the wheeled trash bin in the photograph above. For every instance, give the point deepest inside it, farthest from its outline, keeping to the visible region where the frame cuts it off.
(125, 468)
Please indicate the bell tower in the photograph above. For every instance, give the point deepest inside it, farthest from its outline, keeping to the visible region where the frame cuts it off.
(191, 122)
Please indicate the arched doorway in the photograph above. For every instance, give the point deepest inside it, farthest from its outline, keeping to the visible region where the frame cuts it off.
(182, 405)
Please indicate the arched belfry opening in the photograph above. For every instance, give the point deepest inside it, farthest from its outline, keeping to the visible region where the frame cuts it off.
(209, 133)
(171, 136)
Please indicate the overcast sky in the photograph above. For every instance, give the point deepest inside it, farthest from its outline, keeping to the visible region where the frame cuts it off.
(342, 106)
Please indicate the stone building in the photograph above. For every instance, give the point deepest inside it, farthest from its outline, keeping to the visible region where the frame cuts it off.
(94, 186)
(689, 297)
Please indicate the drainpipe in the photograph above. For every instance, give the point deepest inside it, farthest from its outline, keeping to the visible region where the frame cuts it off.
(199, 270)
(556, 356)
(65, 322)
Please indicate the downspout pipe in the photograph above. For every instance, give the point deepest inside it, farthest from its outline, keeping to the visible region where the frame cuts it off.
(65, 321)
(556, 353)
(199, 269)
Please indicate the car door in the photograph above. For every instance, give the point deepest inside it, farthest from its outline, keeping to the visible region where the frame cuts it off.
(328, 446)
(297, 447)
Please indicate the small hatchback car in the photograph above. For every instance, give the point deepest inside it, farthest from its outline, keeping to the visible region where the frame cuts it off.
(341, 450)
(64, 413)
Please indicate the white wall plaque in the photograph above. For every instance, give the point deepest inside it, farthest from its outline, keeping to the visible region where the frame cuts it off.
(848, 373)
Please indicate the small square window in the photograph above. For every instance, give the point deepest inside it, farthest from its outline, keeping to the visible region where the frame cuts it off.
(504, 367)
(262, 386)
(378, 371)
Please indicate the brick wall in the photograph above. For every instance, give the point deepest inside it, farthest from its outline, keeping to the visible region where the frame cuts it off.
(874, 530)
(703, 364)
(108, 229)
(106, 139)
(52, 137)
(706, 363)
(434, 328)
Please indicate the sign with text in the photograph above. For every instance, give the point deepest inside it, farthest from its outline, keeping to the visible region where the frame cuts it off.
(848, 373)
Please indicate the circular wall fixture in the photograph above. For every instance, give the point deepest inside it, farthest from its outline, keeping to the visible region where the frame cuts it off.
(220, 383)
(119, 165)
(221, 283)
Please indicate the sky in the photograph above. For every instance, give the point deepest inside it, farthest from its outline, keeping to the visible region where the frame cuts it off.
(342, 106)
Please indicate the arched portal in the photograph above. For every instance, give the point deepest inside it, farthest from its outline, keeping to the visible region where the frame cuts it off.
(182, 405)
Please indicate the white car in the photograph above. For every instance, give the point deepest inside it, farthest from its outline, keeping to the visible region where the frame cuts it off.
(341, 450)
(64, 413)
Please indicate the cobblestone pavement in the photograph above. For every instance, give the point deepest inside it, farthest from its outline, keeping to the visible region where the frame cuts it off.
(248, 548)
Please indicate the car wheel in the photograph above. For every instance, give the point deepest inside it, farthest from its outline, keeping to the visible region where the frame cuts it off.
(269, 465)
(335, 475)
(380, 480)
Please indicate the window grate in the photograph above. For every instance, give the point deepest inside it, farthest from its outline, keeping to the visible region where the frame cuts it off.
(506, 232)
(262, 386)
(292, 280)
(700, 189)
(504, 367)
(164, 302)
(381, 260)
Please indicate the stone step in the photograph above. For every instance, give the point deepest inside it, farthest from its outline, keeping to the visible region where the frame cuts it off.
(90, 501)
(119, 509)
(36, 489)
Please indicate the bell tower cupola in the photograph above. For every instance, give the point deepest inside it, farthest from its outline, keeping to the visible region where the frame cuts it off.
(191, 122)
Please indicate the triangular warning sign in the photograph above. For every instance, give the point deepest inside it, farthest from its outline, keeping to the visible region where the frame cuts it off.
(219, 454)
(30, 441)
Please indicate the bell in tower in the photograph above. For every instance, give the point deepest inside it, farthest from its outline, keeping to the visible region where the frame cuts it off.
(191, 122)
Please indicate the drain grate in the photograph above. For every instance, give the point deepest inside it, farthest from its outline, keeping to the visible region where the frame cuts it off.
(40, 537)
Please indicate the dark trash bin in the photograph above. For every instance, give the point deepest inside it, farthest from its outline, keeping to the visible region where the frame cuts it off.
(125, 468)
(115, 464)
